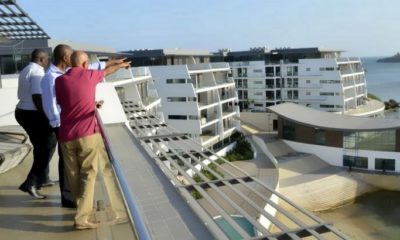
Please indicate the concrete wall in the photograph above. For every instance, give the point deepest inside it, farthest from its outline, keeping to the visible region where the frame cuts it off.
(261, 120)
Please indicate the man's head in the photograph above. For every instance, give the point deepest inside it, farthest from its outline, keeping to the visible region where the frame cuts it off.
(80, 59)
(62, 55)
(40, 57)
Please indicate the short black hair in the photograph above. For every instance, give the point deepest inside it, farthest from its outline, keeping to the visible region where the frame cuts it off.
(59, 52)
(37, 54)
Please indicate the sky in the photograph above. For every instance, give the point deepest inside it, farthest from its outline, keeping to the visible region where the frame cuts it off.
(361, 27)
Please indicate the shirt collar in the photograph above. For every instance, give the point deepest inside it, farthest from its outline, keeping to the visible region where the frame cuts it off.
(53, 68)
(36, 65)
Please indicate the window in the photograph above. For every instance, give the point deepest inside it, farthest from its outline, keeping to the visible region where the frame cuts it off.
(308, 93)
(269, 83)
(319, 136)
(385, 164)
(176, 81)
(288, 130)
(242, 72)
(355, 161)
(257, 70)
(177, 117)
(327, 69)
(193, 117)
(327, 94)
(295, 82)
(329, 81)
(308, 69)
(244, 83)
(371, 140)
(326, 106)
(270, 95)
(308, 81)
(278, 71)
(269, 71)
(289, 82)
(289, 71)
(176, 99)
(258, 105)
(192, 99)
(258, 82)
(258, 93)
(295, 94)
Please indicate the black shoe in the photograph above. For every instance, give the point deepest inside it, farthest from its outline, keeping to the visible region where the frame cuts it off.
(49, 183)
(67, 203)
(32, 191)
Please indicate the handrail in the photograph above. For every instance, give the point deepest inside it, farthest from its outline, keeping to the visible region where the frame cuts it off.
(139, 225)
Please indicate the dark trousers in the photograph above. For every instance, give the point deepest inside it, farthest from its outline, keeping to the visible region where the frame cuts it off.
(66, 195)
(44, 142)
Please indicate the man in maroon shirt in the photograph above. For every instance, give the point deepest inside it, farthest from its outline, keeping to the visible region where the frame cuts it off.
(79, 135)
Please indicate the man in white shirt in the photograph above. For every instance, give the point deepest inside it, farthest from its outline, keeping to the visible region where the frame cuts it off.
(61, 62)
(29, 114)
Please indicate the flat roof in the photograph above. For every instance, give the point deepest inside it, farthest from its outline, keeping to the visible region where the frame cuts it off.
(319, 119)
(15, 23)
(168, 52)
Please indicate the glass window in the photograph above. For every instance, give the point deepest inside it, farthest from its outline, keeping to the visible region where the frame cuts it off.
(355, 161)
(176, 99)
(288, 130)
(374, 140)
(174, 81)
(295, 94)
(177, 117)
(385, 164)
(193, 117)
(320, 138)
(269, 71)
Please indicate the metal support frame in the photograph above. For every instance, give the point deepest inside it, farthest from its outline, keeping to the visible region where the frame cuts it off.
(236, 182)
(15, 23)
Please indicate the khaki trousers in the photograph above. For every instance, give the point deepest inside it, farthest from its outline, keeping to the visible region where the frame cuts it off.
(82, 158)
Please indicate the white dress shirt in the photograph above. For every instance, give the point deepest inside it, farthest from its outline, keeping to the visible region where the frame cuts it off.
(50, 106)
(29, 83)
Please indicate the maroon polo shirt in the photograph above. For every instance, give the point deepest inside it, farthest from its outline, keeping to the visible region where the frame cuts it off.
(75, 93)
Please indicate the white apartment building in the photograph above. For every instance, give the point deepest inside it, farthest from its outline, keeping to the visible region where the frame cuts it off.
(199, 100)
(312, 77)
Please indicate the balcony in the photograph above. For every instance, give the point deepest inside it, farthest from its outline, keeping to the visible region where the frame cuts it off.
(347, 60)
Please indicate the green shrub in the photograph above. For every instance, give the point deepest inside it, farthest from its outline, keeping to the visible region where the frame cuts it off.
(242, 150)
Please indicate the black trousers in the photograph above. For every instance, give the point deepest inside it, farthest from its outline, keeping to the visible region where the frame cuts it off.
(44, 143)
(66, 195)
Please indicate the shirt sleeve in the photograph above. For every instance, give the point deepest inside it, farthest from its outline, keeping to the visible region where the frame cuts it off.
(97, 66)
(36, 79)
(96, 76)
(50, 106)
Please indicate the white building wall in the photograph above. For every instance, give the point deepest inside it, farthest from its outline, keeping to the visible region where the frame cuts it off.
(317, 79)
(203, 82)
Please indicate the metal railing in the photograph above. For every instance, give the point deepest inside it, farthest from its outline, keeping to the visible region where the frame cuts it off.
(136, 217)
(227, 192)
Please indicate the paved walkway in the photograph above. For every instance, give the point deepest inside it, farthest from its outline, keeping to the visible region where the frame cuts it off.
(22, 217)
(311, 182)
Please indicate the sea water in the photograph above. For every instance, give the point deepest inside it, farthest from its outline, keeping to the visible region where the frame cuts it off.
(376, 215)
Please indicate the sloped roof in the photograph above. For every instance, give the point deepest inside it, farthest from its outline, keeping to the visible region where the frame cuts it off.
(15, 23)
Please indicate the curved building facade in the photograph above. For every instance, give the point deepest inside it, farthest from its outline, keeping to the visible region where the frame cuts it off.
(341, 140)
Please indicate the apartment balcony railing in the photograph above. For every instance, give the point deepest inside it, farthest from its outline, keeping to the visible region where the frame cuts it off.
(349, 71)
(140, 71)
(347, 59)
